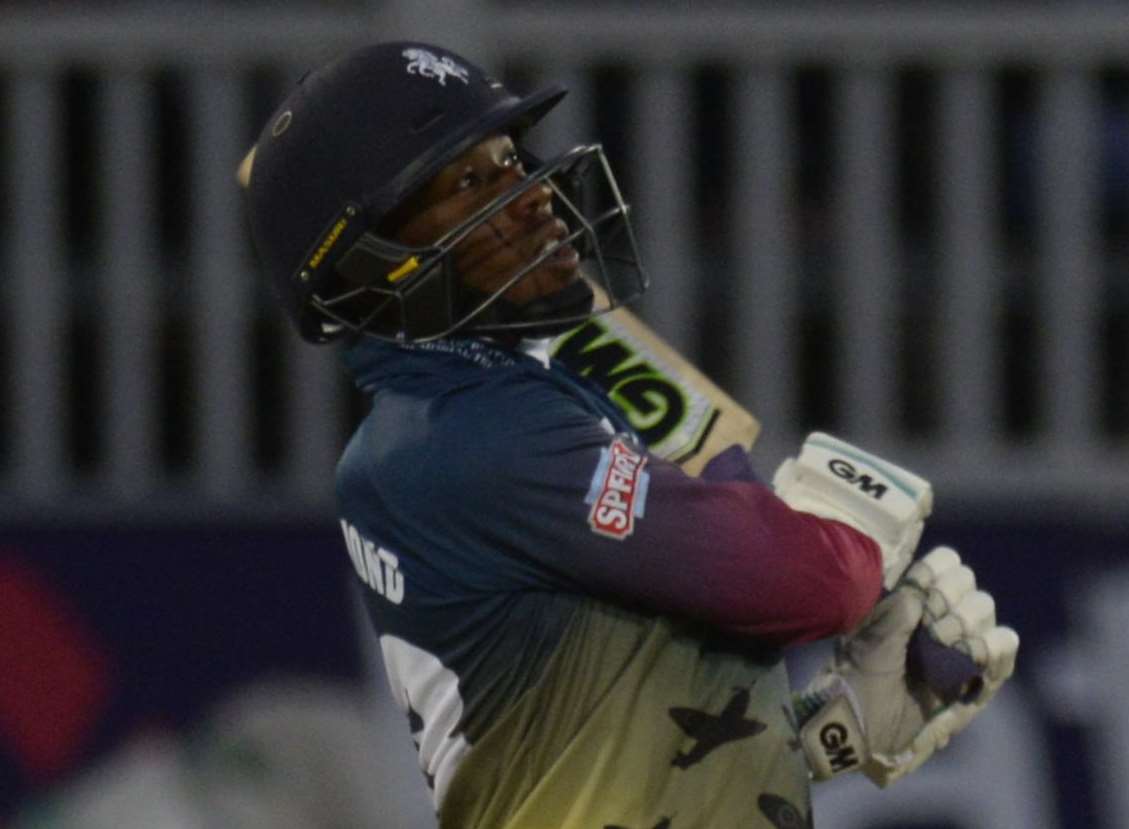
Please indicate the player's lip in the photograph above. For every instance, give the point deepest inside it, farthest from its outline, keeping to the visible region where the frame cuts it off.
(559, 252)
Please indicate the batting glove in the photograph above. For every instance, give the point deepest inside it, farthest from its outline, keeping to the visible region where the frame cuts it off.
(833, 479)
(863, 713)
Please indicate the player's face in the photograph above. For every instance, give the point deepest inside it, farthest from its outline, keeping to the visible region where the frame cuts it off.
(510, 239)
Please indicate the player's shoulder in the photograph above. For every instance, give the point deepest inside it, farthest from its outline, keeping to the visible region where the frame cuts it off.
(454, 430)
(522, 393)
(509, 417)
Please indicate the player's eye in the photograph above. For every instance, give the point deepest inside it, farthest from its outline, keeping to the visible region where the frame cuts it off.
(469, 180)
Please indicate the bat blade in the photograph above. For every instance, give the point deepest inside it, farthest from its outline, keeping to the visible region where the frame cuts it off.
(679, 412)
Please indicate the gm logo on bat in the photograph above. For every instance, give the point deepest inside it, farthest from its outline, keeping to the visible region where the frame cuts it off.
(846, 470)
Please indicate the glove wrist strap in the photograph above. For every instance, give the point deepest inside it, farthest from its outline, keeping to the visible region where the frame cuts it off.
(831, 733)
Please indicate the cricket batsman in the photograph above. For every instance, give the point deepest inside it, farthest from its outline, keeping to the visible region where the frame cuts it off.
(580, 634)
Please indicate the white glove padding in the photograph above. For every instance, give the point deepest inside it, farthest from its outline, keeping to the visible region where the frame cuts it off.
(833, 479)
(862, 712)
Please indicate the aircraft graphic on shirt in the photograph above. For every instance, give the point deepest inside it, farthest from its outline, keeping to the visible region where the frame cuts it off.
(713, 731)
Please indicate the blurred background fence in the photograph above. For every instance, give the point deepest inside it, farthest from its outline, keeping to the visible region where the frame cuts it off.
(909, 226)
(906, 226)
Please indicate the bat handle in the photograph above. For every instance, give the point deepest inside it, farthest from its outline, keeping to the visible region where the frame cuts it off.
(951, 674)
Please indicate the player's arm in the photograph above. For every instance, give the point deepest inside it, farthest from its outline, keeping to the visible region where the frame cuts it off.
(756, 565)
(597, 514)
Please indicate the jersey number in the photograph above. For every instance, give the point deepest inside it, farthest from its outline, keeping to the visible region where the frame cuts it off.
(428, 693)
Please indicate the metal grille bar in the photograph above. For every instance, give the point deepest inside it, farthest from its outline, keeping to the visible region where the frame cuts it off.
(662, 177)
(221, 311)
(39, 297)
(970, 277)
(764, 227)
(129, 317)
(865, 238)
(1067, 273)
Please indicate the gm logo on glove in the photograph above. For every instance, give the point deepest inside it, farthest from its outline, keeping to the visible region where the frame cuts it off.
(836, 741)
(845, 469)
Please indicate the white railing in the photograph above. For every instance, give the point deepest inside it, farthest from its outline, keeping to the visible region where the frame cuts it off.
(124, 287)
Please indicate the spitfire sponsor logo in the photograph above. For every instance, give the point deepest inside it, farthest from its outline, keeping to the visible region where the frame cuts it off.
(618, 494)
(428, 65)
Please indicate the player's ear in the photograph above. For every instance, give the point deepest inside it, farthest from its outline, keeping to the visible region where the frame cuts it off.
(398, 222)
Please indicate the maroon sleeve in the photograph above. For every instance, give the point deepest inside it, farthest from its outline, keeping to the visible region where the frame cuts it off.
(854, 551)
(745, 561)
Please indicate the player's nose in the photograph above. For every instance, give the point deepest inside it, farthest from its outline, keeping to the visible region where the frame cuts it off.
(535, 203)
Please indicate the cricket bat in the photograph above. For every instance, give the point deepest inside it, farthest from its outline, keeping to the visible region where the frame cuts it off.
(686, 418)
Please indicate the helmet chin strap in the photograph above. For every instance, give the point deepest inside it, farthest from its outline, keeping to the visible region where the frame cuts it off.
(553, 314)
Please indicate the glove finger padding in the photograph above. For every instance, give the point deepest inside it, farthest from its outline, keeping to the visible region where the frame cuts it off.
(949, 590)
(901, 723)
(973, 615)
(932, 567)
(1001, 645)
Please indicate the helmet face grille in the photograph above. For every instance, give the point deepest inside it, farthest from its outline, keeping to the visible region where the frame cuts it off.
(415, 294)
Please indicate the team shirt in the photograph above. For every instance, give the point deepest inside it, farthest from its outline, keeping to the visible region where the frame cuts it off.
(581, 635)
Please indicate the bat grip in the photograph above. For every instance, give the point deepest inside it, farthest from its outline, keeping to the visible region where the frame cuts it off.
(951, 674)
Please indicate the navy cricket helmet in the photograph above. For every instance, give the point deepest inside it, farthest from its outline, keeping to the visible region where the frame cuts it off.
(360, 135)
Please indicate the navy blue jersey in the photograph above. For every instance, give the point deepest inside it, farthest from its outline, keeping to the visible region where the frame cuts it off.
(580, 634)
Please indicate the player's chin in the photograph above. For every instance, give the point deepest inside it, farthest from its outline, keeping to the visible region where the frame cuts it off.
(565, 295)
(550, 277)
(556, 276)
(559, 270)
